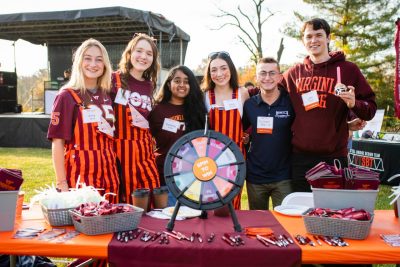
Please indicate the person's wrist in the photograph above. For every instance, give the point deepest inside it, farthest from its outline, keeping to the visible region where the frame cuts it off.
(61, 183)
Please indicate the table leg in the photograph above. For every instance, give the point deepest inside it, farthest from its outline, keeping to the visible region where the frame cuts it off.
(86, 263)
(13, 260)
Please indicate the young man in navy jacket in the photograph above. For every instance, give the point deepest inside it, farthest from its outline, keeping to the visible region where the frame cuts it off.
(270, 115)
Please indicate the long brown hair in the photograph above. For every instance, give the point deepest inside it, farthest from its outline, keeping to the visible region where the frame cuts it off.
(125, 64)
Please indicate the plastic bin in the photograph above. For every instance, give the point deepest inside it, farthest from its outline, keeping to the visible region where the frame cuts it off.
(337, 227)
(8, 206)
(343, 198)
(104, 224)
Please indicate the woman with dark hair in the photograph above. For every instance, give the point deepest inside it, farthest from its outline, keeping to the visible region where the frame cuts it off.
(224, 100)
(179, 109)
(132, 90)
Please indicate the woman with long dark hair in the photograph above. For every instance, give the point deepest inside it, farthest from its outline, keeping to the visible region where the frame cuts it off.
(224, 100)
(179, 109)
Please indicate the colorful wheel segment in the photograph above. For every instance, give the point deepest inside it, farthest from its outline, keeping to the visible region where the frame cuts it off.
(204, 170)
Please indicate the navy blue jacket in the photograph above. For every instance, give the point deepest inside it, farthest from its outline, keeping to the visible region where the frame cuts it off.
(268, 159)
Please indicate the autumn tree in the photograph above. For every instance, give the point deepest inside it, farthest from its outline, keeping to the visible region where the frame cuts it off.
(364, 30)
(247, 74)
(31, 90)
(250, 25)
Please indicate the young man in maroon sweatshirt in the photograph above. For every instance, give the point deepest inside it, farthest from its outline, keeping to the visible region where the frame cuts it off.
(320, 129)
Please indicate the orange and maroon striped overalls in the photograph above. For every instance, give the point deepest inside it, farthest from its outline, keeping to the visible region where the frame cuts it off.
(229, 123)
(134, 148)
(90, 154)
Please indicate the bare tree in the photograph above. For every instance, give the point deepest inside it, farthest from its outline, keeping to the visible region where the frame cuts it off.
(250, 27)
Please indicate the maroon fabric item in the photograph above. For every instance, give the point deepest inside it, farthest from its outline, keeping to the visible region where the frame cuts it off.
(218, 253)
(10, 179)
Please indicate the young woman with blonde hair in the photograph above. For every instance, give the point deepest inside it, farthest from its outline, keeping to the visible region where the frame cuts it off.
(82, 124)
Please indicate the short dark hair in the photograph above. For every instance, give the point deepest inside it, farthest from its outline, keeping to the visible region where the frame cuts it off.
(317, 24)
(248, 84)
(266, 60)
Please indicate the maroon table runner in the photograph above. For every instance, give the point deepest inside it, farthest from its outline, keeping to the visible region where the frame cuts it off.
(218, 253)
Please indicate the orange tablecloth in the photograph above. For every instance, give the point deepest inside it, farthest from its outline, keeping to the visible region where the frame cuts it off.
(371, 250)
(81, 246)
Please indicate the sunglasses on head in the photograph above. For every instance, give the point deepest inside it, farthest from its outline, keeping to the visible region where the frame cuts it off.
(213, 55)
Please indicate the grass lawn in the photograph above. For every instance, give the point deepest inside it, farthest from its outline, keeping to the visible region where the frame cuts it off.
(37, 170)
(36, 166)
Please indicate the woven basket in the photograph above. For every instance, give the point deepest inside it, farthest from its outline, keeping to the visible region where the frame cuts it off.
(57, 217)
(104, 224)
(337, 227)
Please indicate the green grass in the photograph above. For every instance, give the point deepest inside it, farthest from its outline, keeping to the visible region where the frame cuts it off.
(35, 164)
(37, 170)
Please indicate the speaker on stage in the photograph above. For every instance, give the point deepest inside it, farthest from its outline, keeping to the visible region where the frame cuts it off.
(8, 91)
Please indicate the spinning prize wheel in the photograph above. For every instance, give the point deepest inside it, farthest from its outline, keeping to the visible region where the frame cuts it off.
(204, 170)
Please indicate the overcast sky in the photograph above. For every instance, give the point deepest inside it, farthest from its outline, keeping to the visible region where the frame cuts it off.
(195, 17)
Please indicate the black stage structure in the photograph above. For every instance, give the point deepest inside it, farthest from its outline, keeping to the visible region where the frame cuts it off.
(63, 31)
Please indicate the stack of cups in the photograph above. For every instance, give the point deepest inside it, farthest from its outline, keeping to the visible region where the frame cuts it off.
(140, 198)
(160, 197)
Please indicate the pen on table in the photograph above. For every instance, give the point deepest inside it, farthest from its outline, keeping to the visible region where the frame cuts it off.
(227, 241)
(192, 237)
(288, 239)
(317, 240)
(199, 238)
(211, 238)
(172, 235)
(309, 241)
(267, 240)
(232, 239)
(265, 243)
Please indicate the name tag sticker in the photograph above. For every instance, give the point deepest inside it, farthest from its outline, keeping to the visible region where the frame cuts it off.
(91, 115)
(310, 100)
(122, 98)
(265, 125)
(171, 125)
(231, 104)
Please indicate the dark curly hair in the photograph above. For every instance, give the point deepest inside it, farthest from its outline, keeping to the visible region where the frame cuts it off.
(194, 108)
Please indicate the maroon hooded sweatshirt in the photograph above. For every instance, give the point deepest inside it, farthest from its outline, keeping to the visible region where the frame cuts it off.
(323, 131)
